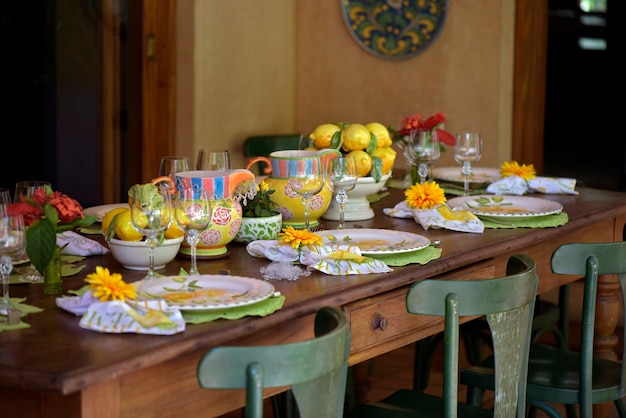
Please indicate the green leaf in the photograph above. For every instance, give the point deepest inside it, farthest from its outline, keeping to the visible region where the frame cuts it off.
(336, 141)
(41, 241)
(371, 147)
(377, 169)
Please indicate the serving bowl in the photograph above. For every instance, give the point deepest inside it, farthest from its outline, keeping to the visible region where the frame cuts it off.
(134, 255)
(357, 206)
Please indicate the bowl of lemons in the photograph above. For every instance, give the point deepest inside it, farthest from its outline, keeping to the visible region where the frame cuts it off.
(128, 246)
(370, 145)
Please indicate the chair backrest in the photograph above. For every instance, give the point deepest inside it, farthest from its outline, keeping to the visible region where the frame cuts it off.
(315, 369)
(508, 303)
(263, 145)
(591, 260)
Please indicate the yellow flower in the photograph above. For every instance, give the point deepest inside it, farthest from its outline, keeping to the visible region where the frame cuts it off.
(107, 286)
(264, 186)
(424, 196)
(512, 168)
(298, 238)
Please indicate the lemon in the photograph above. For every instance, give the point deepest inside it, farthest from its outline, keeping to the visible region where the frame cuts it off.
(108, 218)
(124, 228)
(173, 231)
(323, 135)
(388, 157)
(363, 162)
(381, 132)
(355, 137)
(180, 217)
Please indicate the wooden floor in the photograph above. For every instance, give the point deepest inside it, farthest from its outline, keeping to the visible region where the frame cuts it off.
(394, 370)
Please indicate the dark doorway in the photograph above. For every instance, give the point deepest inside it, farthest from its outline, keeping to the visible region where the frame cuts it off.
(582, 138)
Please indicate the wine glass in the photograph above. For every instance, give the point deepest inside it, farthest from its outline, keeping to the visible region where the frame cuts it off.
(12, 246)
(27, 188)
(423, 151)
(213, 160)
(5, 197)
(172, 164)
(342, 176)
(306, 178)
(193, 214)
(151, 214)
(467, 150)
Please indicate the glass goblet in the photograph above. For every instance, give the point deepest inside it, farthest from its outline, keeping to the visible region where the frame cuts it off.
(25, 189)
(213, 160)
(467, 150)
(342, 175)
(423, 151)
(172, 164)
(306, 178)
(151, 214)
(192, 213)
(12, 246)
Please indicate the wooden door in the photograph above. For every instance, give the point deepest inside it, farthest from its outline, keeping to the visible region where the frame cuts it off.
(137, 134)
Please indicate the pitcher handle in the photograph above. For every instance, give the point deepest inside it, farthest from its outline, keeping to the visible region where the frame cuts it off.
(268, 164)
(165, 179)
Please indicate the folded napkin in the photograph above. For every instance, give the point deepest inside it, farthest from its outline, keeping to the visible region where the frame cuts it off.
(76, 244)
(131, 316)
(441, 216)
(262, 308)
(515, 185)
(24, 310)
(330, 259)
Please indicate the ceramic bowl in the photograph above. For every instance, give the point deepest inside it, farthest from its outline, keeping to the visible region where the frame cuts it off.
(357, 206)
(134, 255)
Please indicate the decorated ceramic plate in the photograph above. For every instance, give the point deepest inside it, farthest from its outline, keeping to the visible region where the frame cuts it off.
(206, 292)
(376, 241)
(480, 175)
(100, 211)
(516, 207)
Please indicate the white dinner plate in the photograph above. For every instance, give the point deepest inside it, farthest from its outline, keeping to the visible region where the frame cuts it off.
(100, 211)
(516, 207)
(480, 175)
(375, 241)
(206, 292)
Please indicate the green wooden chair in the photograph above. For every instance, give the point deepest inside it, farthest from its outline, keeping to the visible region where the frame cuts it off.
(508, 304)
(315, 369)
(263, 145)
(575, 379)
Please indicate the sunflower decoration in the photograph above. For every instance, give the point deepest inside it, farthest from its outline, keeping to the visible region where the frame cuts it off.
(298, 238)
(107, 286)
(513, 168)
(424, 196)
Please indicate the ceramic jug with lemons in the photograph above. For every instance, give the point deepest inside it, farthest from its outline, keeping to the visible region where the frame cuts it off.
(226, 188)
(290, 203)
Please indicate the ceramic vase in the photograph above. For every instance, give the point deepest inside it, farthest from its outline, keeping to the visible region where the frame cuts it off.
(253, 229)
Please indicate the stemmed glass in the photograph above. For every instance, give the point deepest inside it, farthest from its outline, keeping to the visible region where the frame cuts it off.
(306, 178)
(423, 151)
(467, 150)
(12, 246)
(151, 214)
(172, 164)
(213, 160)
(193, 214)
(342, 176)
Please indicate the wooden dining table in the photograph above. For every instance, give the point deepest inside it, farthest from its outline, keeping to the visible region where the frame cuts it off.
(55, 368)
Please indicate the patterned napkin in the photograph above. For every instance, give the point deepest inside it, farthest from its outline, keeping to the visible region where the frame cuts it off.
(335, 260)
(262, 308)
(76, 244)
(24, 310)
(515, 185)
(442, 216)
(548, 221)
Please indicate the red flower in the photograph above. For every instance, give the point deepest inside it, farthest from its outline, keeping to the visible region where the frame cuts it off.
(433, 121)
(414, 123)
(410, 123)
(68, 208)
(29, 212)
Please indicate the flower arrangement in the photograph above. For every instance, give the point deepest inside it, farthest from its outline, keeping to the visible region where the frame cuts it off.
(261, 205)
(513, 168)
(107, 286)
(45, 214)
(298, 238)
(413, 123)
(424, 196)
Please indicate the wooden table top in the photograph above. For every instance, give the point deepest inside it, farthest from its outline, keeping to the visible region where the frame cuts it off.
(56, 354)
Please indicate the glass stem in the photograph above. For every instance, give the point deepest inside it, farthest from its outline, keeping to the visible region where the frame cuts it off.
(192, 240)
(423, 172)
(466, 170)
(341, 199)
(307, 212)
(151, 241)
(6, 265)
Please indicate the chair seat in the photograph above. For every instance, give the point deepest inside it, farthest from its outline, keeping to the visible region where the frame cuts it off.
(409, 403)
(554, 375)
